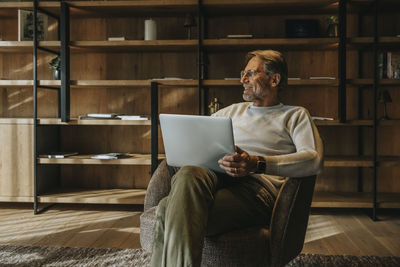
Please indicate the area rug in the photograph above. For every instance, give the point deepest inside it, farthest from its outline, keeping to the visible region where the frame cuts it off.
(64, 256)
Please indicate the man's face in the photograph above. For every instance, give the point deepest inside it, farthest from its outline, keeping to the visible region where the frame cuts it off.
(254, 80)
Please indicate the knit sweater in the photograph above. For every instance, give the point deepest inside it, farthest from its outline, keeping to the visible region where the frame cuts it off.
(284, 135)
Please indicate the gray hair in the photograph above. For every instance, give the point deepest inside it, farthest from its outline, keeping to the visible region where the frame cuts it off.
(274, 62)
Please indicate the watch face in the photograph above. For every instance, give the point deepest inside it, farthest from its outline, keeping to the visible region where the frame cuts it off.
(261, 165)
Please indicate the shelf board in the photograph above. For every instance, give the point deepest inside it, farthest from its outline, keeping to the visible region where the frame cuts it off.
(136, 159)
(16, 121)
(348, 161)
(98, 196)
(387, 82)
(133, 45)
(262, 7)
(382, 41)
(28, 83)
(354, 200)
(347, 123)
(129, 8)
(307, 43)
(305, 82)
(15, 199)
(27, 46)
(76, 121)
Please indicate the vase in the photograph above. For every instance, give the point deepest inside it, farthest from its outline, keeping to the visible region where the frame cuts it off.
(56, 74)
(333, 30)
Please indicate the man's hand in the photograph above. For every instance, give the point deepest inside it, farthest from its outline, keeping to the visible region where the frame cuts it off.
(238, 164)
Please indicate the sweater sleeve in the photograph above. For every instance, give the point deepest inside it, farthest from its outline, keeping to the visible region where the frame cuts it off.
(308, 158)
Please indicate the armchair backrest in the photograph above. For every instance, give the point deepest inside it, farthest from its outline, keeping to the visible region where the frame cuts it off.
(290, 218)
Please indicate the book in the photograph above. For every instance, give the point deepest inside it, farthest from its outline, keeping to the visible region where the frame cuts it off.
(393, 65)
(58, 155)
(110, 156)
(239, 36)
(321, 118)
(133, 117)
(116, 38)
(102, 115)
(322, 78)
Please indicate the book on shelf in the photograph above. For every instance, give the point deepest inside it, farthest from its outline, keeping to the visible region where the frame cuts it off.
(111, 156)
(133, 117)
(239, 36)
(393, 65)
(112, 116)
(58, 155)
(102, 115)
(389, 65)
(316, 118)
(322, 78)
(122, 38)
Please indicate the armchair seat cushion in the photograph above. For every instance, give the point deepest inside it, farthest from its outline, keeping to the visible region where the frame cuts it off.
(236, 248)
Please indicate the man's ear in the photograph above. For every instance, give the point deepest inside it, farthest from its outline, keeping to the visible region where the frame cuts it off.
(276, 79)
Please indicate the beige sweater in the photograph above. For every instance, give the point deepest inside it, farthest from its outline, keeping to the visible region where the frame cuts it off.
(284, 135)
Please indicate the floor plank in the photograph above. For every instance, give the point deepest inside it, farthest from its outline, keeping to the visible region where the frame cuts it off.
(330, 231)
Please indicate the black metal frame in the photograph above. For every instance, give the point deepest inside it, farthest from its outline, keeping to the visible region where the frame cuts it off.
(65, 63)
(154, 126)
(200, 60)
(342, 61)
(36, 209)
(375, 127)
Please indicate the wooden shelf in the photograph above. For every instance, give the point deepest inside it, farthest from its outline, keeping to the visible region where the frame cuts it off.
(347, 123)
(76, 121)
(98, 196)
(15, 199)
(354, 200)
(136, 159)
(348, 161)
(27, 46)
(16, 121)
(133, 45)
(305, 82)
(262, 7)
(383, 41)
(387, 82)
(305, 43)
(136, 7)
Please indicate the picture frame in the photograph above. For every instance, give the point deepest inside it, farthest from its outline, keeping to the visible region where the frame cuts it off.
(25, 25)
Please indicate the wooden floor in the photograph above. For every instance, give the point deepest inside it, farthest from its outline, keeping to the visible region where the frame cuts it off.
(349, 232)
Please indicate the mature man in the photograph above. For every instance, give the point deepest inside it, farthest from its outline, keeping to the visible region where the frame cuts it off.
(273, 141)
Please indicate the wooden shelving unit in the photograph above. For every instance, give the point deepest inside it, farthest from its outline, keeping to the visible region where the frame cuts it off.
(86, 196)
(115, 76)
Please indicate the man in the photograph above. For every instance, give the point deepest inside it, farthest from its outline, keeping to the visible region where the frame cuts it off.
(273, 141)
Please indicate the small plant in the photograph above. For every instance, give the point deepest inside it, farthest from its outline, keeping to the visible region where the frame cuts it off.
(332, 20)
(55, 63)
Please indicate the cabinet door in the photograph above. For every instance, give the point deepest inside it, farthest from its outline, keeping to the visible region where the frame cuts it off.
(16, 161)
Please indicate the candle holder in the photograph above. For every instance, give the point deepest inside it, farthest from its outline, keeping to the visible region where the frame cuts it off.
(188, 24)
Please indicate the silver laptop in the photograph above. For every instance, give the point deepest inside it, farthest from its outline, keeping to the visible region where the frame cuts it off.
(196, 140)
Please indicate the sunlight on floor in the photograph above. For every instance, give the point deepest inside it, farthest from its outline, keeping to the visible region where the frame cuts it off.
(319, 228)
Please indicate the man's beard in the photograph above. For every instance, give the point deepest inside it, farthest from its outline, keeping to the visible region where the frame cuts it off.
(253, 92)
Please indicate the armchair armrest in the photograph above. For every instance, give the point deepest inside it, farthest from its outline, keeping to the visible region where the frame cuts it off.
(290, 218)
(160, 185)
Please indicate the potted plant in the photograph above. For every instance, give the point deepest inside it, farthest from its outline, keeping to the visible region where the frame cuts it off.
(55, 64)
(333, 23)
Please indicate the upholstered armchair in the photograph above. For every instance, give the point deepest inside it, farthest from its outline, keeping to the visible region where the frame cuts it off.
(254, 246)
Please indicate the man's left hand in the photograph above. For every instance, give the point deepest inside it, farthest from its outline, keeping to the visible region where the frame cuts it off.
(238, 164)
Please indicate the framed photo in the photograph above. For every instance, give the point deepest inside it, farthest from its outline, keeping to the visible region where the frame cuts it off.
(25, 25)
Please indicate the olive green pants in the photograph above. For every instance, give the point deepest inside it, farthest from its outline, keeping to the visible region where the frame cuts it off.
(204, 203)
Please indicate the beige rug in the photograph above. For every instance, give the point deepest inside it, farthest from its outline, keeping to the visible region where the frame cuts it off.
(64, 256)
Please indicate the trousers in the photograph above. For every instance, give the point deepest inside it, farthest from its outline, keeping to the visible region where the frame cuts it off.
(205, 203)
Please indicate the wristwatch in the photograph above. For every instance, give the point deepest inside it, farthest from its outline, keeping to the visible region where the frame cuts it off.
(261, 165)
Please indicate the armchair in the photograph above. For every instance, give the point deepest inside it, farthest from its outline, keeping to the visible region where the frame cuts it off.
(254, 246)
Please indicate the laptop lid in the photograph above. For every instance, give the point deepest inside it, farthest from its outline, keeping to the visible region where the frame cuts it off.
(196, 140)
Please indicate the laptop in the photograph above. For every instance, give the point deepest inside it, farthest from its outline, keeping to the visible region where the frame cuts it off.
(196, 140)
